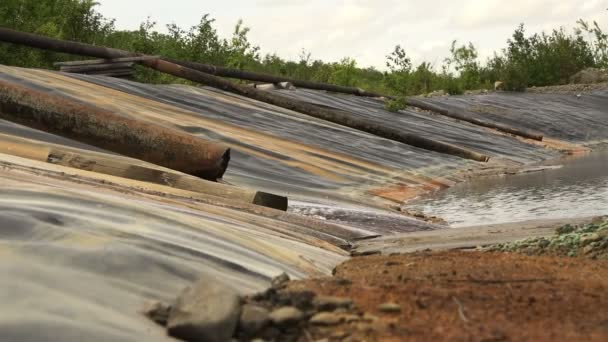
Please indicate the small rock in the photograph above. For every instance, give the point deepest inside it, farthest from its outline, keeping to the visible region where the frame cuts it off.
(369, 317)
(279, 280)
(587, 239)
(157, 312)
(302, 300)
(588, 249)
(342, 282)
(208, 311)
(389, 307)
(328, 303)
(544, 243)
(351, 318)
(286, 315)
(253, 319)
(265, 295)
(326, 319)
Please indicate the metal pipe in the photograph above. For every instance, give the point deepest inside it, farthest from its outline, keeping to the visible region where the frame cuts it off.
(335, 116)
(153, 143)
(479, 122)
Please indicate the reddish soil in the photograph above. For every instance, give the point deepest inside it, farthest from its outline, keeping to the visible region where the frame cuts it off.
(468, 296)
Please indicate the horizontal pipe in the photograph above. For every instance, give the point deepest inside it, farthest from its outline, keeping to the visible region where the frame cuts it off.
(153, 143)
(36, 41)
(333, 115)
(500, 127)
(132, 169)
(96, 67)
(112, 73)
(41, 42)
(267, 78)
(165, 66)
(104, 61)
(117, 73)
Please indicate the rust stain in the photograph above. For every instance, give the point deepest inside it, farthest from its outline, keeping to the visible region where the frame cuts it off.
(134, 106)
(398, 193)
(135, 138)
(363, 176)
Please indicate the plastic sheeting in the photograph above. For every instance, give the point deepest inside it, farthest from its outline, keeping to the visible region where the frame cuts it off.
(430, 125)
(273, 149)
(580, 118)
(81, 252)
(79, 259)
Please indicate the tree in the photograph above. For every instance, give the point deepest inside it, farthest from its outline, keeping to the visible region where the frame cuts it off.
(464, 60)
(400, 66)
(598, 40)
(240, 51)
(344, 72)
(398, 61)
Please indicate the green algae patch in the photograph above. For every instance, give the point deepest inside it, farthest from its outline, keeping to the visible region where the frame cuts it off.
(589, 240)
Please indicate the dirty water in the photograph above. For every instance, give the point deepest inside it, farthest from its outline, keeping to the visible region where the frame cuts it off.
(570, 187)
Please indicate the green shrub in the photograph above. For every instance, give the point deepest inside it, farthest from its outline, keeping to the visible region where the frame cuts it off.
(396, 105)
(535, 60)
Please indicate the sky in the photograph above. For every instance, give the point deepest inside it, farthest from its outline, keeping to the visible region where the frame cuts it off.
(365, 30)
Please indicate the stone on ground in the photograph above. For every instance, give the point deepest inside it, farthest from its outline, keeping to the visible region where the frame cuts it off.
(389, 307)
(328, 303)
(279, 280)
(253, 319)
(206, 312)
(286, 315)
(326, 318)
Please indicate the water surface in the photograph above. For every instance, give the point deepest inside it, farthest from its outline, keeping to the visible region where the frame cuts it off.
(574, 187)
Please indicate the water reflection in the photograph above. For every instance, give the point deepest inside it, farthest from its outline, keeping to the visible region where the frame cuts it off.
(577, 189)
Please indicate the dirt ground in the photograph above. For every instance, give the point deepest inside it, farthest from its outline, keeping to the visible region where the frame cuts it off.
(465, 296)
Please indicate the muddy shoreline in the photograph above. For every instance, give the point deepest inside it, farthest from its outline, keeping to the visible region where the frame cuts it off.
(483, 295)
(466, 296)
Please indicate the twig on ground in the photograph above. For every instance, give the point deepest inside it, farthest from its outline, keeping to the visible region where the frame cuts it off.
(460, 310)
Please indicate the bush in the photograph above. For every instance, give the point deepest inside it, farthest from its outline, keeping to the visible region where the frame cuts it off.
(514, 77)
(536, 60)
(396, 105)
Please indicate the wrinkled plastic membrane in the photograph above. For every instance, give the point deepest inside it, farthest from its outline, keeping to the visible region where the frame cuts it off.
(79, 258)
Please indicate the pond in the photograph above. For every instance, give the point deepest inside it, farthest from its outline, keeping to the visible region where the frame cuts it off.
(572, 187)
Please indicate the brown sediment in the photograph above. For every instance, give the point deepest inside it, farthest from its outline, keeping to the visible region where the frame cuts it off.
(400, 193)
(466, 296)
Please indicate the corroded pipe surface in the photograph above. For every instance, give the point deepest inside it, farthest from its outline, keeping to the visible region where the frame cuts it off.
(336, 116)
(98, 127)
(267, 78)
(332, 115)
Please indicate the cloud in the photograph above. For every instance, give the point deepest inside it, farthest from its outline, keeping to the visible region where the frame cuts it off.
(366, 30)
